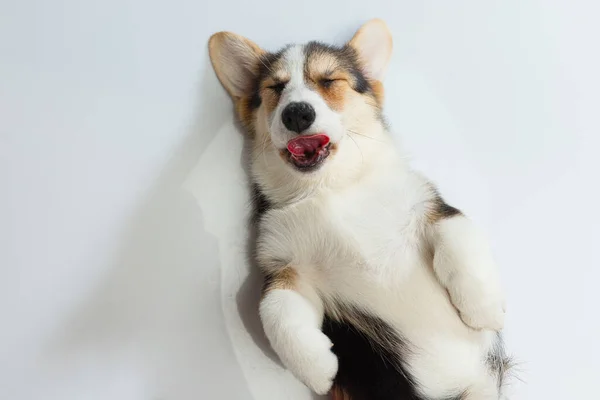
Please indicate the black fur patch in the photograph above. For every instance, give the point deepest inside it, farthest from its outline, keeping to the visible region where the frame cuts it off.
(499, 363)
(371, 368)
(255, 100)
(445, 210)
(260, 204)
(348, 60)
(440, 209)
(267, 282)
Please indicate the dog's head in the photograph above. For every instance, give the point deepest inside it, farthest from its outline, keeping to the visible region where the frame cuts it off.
(305, 105)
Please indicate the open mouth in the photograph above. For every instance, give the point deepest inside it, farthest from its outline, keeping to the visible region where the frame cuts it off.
(308, 152)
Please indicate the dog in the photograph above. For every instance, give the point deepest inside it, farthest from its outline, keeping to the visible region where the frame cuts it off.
(375, 288)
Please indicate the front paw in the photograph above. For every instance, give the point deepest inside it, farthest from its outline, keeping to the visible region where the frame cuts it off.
(309, 357)
(479, 306)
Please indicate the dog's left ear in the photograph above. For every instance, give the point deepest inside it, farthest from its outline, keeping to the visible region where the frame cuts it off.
(235, 60)
(373, 43)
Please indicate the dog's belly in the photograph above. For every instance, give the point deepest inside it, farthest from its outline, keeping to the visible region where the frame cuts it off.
(377, 261)
(441, 353)
(387, 271)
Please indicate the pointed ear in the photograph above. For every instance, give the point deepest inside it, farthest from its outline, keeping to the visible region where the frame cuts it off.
(373, 43)
(235, 60)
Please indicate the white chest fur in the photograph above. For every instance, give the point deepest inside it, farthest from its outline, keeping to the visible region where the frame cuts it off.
(374, 229)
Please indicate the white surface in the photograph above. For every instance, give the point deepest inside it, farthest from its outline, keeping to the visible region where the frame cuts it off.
(123, 202)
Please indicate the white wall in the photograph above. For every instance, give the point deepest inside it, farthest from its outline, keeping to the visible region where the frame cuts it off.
(122, 200)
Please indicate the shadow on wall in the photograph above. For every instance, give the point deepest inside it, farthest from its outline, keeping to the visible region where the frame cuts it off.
(160, 305)
(159, 309)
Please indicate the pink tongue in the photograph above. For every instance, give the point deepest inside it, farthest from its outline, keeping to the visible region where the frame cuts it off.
(307, 144)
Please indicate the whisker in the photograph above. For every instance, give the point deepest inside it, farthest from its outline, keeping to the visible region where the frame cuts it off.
(366, 136)
(268, 67)
(362, 157)
(351, 132)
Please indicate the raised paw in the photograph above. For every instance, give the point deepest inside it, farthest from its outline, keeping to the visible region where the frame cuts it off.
(479, 306)
(489, 316)
(309, 357)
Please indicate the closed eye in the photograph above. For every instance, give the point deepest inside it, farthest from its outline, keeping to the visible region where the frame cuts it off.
(327, 83)
(278, 87)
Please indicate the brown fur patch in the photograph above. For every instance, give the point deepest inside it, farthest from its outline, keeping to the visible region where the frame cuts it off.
(337, 393)
(285, 278)
(335, 94)
(325, 72)
(378, 92)
(336, 73)
(245, 114)
(321, 64)
(270, 96)
(269, 72)
(270, 99)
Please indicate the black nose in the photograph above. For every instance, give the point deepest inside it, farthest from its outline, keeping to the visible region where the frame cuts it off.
(298, 117)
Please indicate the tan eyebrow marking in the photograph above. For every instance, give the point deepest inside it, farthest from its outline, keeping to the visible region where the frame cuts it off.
(321, 65)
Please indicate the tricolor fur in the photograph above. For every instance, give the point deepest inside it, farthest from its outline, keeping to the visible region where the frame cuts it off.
(375, 288)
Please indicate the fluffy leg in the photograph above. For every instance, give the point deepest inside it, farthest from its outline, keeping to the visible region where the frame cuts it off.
(464, 265)
(292, 314)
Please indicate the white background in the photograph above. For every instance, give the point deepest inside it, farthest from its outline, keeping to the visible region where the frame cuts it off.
(122, 199)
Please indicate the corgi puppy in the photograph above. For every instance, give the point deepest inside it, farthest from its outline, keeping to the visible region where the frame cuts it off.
(375, 288)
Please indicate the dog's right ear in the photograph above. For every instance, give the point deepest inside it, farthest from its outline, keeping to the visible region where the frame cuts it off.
(373, 43)
(235, 60)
